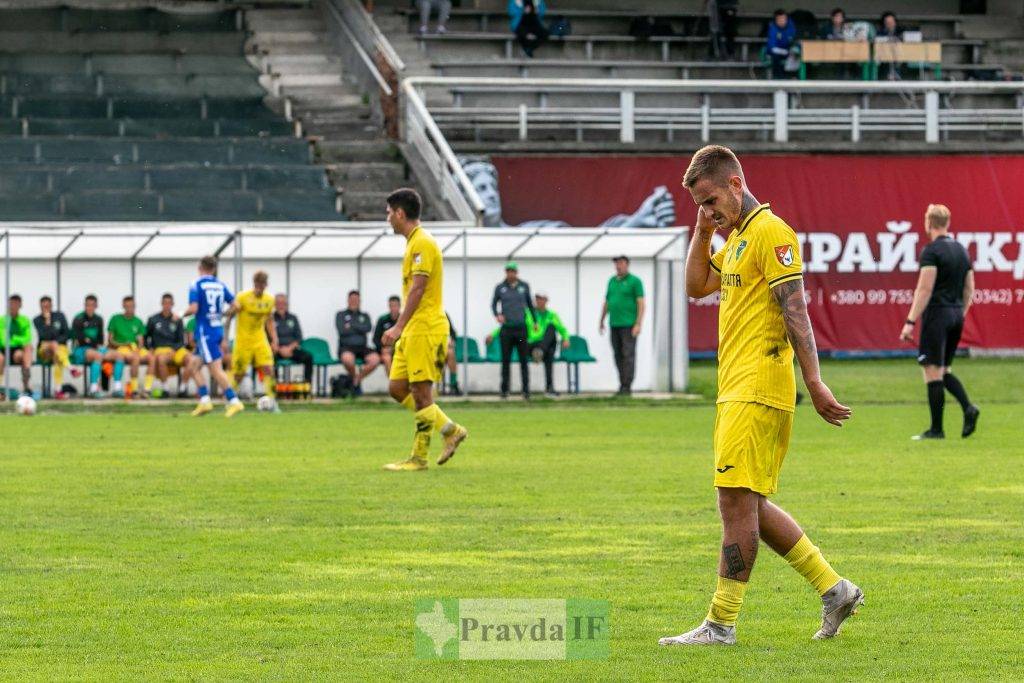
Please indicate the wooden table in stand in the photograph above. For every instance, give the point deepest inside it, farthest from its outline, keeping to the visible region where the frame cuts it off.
(835, 52)
(896, 52)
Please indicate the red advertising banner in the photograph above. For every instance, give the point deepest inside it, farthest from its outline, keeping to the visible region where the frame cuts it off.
(859, 220)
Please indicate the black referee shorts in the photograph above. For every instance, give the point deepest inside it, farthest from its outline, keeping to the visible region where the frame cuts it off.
(940, 333)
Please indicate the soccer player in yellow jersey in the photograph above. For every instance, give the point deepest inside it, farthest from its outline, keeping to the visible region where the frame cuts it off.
(256, 336)
(420, 335)
(762, 321)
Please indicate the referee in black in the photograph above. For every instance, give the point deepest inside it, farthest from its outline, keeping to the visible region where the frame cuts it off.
(943, 296)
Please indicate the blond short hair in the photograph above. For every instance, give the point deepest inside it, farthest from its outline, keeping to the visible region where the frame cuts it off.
(937, 216)
(712, 161)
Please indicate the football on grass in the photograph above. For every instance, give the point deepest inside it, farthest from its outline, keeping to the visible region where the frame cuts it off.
(266, 404)
(26, 405)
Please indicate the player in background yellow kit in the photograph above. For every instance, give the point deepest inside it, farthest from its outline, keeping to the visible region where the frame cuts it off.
(256, 336)
(762, 321)
(420, 335)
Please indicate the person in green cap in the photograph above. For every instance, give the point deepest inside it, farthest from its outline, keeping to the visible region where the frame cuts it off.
(510, 304)
(16, 329)
(624, 306)
(543, 330)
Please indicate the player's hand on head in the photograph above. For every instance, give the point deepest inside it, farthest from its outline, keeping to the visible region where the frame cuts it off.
(831, 410)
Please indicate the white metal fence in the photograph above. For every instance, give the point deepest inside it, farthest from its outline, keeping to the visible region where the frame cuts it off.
(929, 107)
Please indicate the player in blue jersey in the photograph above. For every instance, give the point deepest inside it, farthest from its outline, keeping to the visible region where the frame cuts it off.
(207, 299)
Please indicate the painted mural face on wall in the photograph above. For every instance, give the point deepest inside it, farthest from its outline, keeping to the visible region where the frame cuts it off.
(658, 210)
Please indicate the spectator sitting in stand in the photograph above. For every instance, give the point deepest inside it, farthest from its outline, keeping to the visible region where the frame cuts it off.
(444, 9)
(525, 18)
(781, 36)
(353, 325)
(835, 29)
(890, 29)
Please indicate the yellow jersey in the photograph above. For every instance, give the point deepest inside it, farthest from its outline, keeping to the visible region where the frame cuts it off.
(755, 359)
(253, 312)
(423, 257)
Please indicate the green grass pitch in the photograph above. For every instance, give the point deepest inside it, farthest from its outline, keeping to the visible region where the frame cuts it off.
(149, 545)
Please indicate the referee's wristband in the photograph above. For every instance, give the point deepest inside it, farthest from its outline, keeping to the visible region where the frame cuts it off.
(911, 322)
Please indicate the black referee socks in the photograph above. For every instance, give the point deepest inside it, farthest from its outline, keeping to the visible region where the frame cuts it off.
(954, 387)
(936, 401)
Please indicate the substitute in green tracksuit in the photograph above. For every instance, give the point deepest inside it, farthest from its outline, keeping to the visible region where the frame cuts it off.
(543, 330)
(18, 328)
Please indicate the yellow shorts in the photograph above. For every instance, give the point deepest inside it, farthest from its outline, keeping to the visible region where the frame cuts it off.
(131, 348)
(177, 357)
(419, 358)
(751, 440)
(39, 350)
(244, 354)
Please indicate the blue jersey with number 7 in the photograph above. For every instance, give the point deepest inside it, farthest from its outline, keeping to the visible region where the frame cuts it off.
(212, 296)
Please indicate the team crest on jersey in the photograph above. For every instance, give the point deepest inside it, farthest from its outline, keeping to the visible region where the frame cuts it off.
(739, 249)
(784, 254)
(417, 258)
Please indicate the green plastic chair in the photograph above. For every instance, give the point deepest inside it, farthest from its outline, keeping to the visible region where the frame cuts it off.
(472, 354)
(323, 359)
(578, 352)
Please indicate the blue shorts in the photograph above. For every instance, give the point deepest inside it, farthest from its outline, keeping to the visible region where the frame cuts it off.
(208, 344)
(78, 355)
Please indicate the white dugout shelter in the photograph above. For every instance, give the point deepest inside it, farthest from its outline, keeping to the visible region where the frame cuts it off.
(317, 265)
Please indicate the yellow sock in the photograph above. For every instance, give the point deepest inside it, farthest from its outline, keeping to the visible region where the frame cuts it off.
(726, 603)
(424, 426)
(148, 381)
(132, 385)
(270, 385)
(409, 403)
(808, 560)
(441, 421)
(61, 362)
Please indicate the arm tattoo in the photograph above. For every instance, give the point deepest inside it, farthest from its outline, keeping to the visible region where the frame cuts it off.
(733, 560)
(790, 297)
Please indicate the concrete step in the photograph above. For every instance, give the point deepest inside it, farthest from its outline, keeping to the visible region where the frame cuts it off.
(286, 49)
(377, 171)
(366, 202)
(300, 81)
(323, 98)
(990, 27)
(334, 131)
(287, 37)
(284, 24)
(343, 151)
(265, 15)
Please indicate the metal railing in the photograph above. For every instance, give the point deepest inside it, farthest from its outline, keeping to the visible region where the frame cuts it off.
(421, 132)
(929, 109)
(377, 67)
